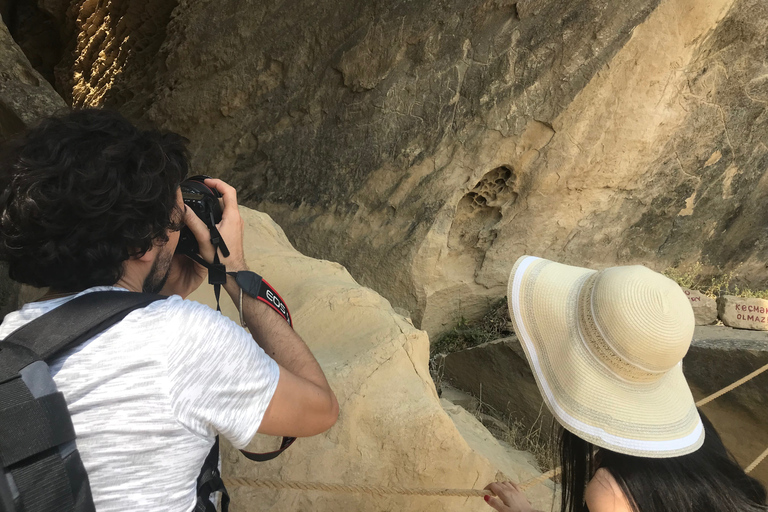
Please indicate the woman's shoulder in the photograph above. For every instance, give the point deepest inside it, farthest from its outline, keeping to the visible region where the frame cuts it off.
(604, 494)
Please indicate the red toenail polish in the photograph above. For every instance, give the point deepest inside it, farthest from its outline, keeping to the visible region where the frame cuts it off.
(487, 498)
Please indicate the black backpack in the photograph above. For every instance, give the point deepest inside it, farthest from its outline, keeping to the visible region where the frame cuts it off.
(41, 467)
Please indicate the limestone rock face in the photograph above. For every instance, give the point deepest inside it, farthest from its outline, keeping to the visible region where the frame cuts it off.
(704, 307)
(392, 429)
(25, 97)
(107, 42)
(427, 145)
(743, 313)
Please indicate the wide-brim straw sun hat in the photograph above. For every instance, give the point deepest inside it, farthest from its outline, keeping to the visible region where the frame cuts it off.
(606, 350)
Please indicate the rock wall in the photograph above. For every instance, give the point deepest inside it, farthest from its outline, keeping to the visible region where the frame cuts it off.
(36, 32)
(360, 126)
(25, 97)
(392, 429)
(426, 145)
(107, 43)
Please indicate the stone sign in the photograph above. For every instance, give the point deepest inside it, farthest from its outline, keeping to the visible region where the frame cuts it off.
(743, 313)
(704, 307)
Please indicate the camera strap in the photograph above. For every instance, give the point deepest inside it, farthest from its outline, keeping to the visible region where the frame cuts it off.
(251, 283)
(257, 287)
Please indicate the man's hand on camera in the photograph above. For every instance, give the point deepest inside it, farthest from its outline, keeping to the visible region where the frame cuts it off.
(185, 275)
(230, 228)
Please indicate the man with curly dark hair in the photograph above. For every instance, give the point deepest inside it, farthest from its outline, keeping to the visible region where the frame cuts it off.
(90, 202)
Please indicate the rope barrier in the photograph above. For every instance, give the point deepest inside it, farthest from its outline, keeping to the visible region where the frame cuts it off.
(376, 490)
(533, 482)
(379, 490)
(757, 461)
(733, 386)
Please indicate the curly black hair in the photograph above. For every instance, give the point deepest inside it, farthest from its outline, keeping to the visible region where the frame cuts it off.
(82, 193)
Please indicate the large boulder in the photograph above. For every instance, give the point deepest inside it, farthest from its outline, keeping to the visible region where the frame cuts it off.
(426, 145)
(743, 313)
(704, 307)
(392, 429)
(25, 97)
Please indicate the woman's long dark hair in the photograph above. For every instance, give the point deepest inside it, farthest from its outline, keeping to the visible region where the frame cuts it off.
(707, 480)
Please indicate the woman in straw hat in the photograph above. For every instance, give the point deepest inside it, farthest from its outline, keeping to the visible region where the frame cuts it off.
(606, 350)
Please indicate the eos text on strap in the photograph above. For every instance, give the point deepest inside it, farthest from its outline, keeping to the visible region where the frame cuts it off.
(255, 286)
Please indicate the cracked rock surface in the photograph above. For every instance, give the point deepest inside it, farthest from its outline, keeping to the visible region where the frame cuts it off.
(427, 145)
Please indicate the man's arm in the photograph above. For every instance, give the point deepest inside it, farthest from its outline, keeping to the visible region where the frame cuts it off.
(303, 403)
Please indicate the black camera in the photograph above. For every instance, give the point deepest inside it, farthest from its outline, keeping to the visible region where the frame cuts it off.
(204, 201)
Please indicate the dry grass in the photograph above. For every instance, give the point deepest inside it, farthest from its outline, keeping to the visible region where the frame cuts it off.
(495, 324)
(535, 439)
(695, 277)
(532, 439)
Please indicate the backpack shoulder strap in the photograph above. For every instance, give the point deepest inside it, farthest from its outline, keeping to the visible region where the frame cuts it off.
(40, 466)
(69, 324)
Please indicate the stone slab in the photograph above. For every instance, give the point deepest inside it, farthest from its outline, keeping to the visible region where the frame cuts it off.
(743, 313)
(719, 356)
(704, 307)
(460, 398)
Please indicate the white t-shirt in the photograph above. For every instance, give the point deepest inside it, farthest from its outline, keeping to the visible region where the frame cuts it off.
(148, 395)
